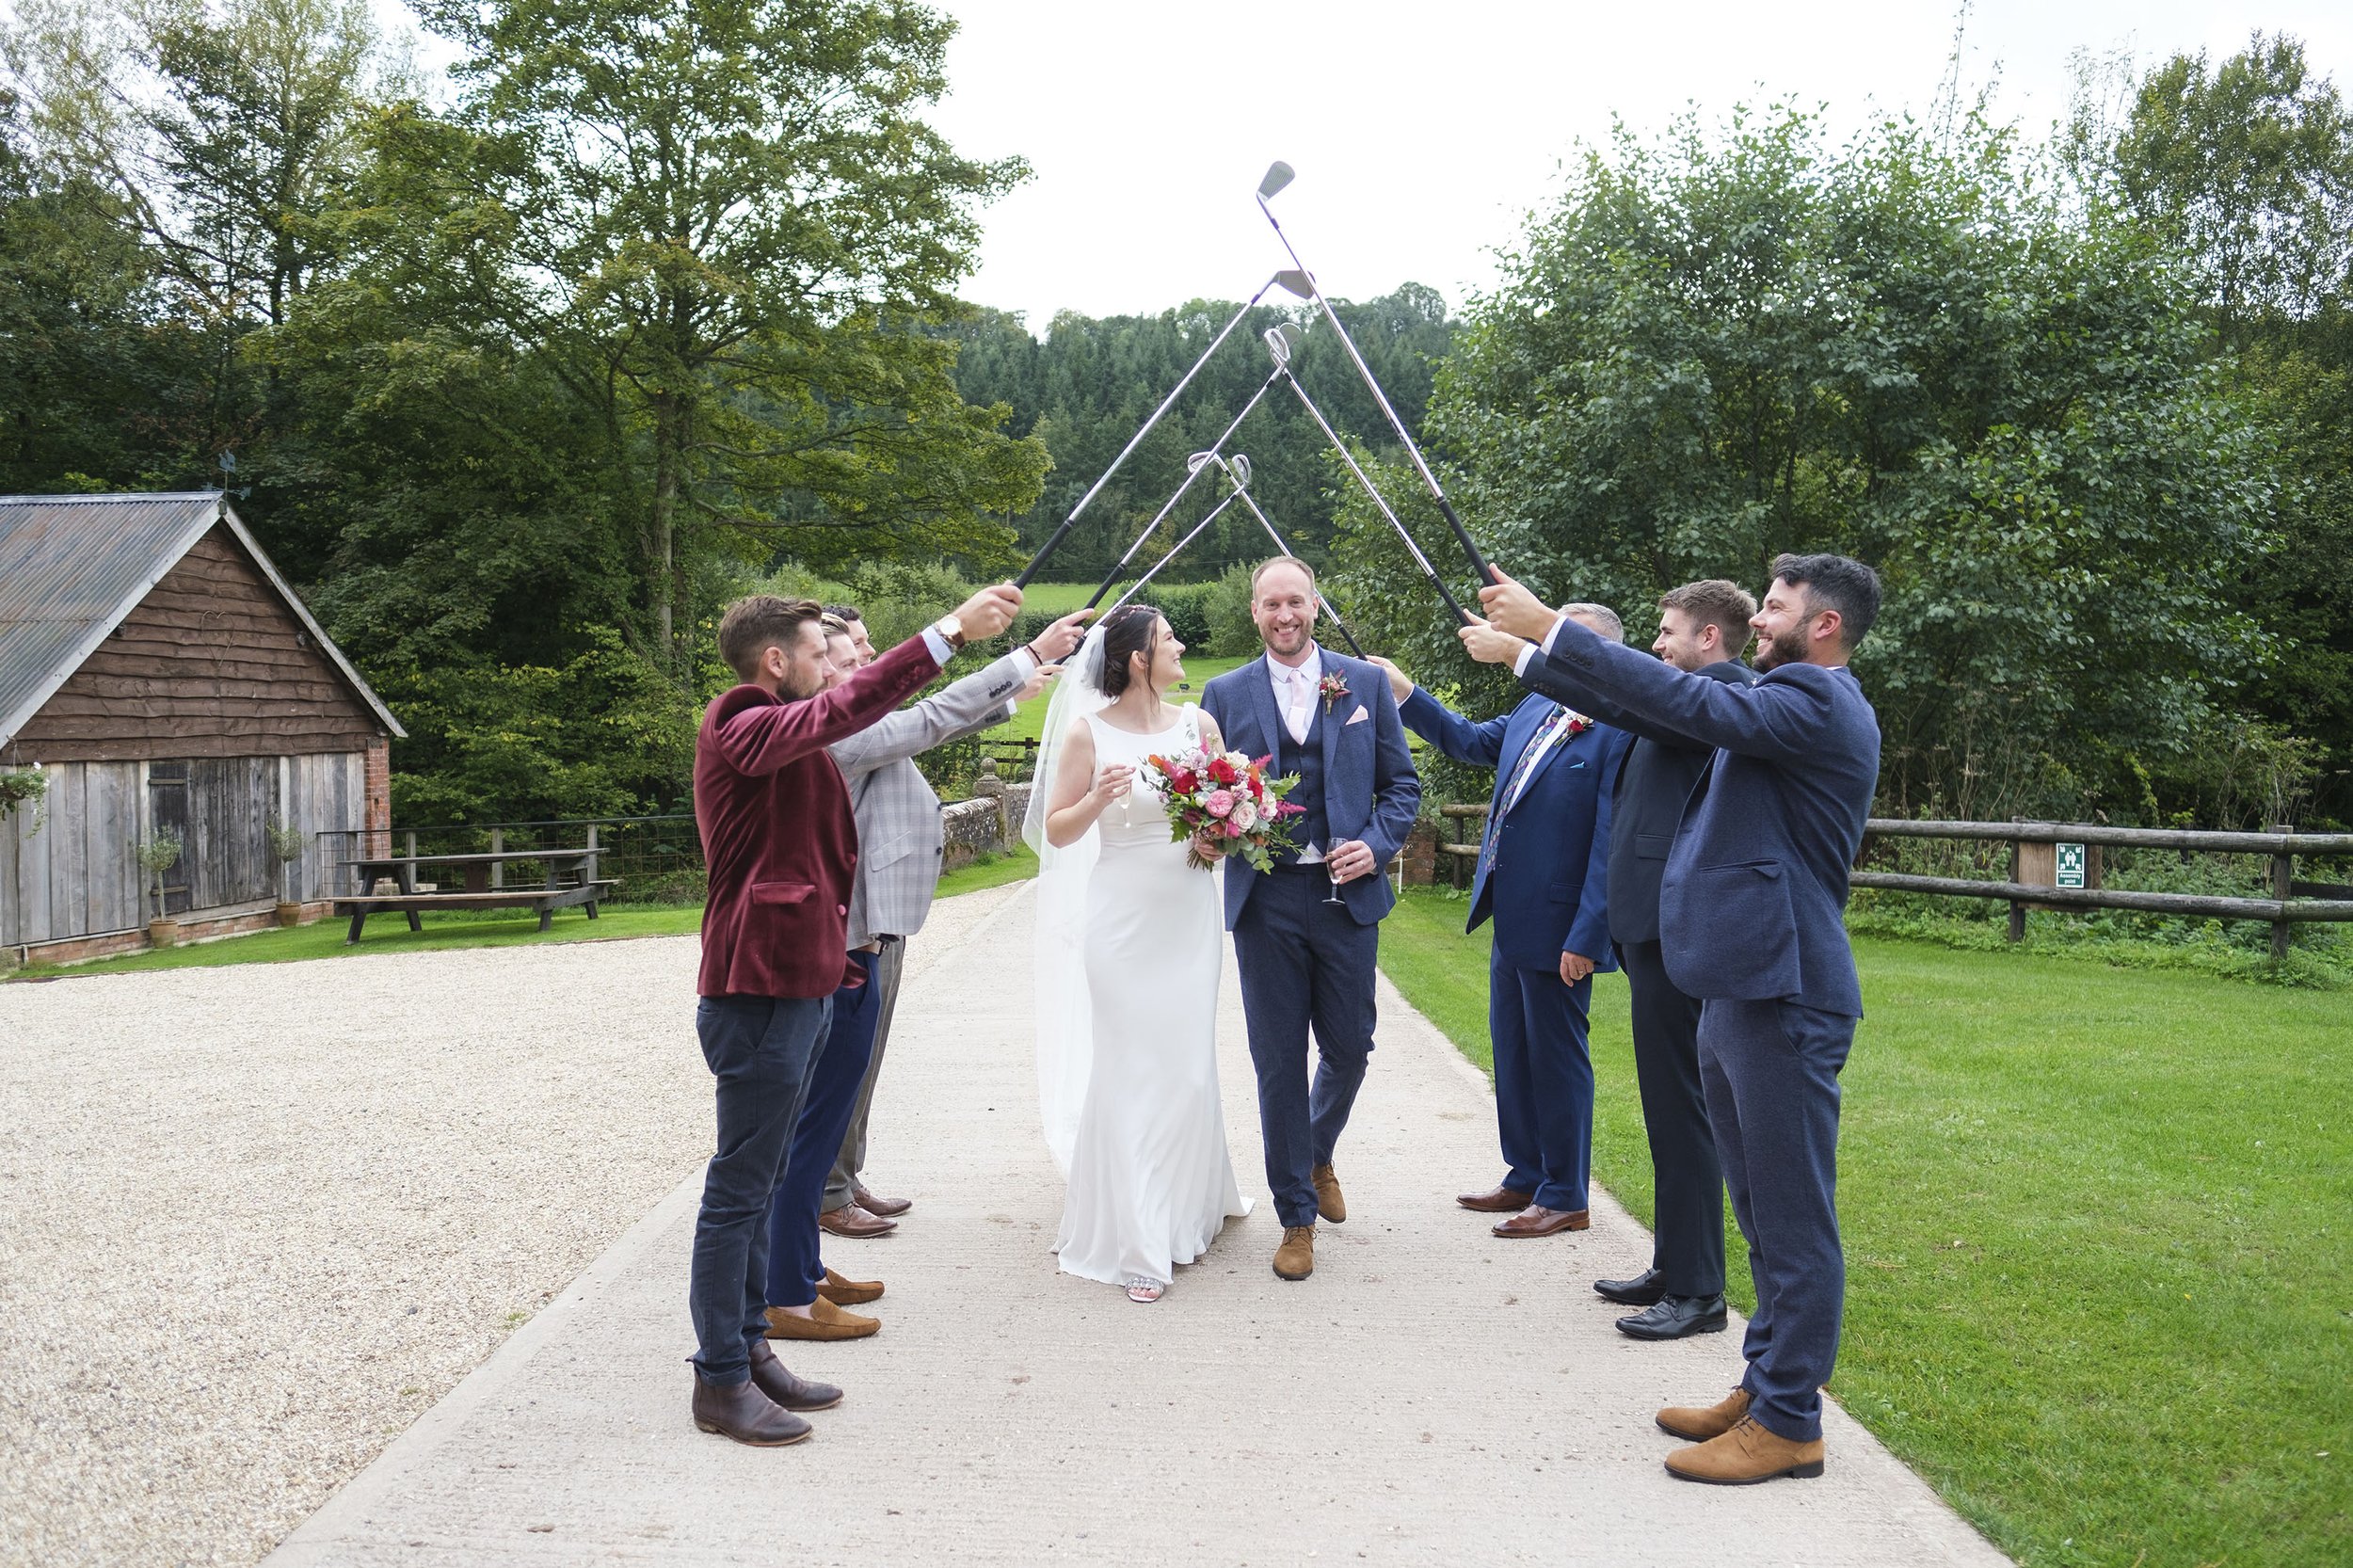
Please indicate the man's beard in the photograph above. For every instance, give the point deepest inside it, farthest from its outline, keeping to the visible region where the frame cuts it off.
(1298, 639)
(1786, 647)
(792, 690)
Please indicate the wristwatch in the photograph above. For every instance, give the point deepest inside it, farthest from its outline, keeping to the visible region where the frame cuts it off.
(951, 629)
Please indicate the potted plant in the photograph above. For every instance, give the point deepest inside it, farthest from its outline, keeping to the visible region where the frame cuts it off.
(157, 856)
(287, 843)
(20, 787)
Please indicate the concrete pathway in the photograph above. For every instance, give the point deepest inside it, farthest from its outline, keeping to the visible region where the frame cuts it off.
(1431, 1396)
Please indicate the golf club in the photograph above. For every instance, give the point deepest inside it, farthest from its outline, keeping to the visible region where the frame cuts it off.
(1137, 440)
(1137, 586)
(1303, 283)
(1281, 348)
(1194, 465)
(1238, 473)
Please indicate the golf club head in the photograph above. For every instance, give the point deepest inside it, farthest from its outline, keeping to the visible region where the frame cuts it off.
(1297, 282)
(1278, 174)
(1282, 342)
(1195, 463)
(1238, 469)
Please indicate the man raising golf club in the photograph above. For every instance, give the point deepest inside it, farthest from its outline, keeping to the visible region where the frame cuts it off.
(1751, 921)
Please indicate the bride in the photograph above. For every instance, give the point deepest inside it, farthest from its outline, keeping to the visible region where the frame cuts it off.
(1130, 947)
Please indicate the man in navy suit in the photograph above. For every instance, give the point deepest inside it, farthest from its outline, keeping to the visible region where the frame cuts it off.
(1543, 874)
(1702, 628)
(1304, 959)
(1751, 913)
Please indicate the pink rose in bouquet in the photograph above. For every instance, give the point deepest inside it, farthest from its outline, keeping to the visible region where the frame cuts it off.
(1227, 798)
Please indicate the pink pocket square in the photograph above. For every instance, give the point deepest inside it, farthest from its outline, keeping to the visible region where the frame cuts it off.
(1359, 716)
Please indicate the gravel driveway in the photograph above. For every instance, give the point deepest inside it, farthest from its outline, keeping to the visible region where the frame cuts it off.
(255, 1219)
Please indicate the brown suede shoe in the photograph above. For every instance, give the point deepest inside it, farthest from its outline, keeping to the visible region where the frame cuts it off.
(855, 1223)
(1537, 1221)
(850, 1293)
(1696, 1425)
(1329, 1204)
(889, 1208)
(1296, 1257)
(1744, 1456)
(741, 1411)
(789, 1392)
(1501, 1201)
(825, 1321)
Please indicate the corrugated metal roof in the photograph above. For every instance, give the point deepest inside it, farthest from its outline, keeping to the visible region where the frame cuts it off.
(73, 566)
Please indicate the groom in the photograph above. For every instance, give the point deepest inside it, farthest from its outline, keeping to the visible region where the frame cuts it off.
(1305, 961)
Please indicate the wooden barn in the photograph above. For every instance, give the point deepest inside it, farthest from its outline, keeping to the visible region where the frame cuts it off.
(161, 674)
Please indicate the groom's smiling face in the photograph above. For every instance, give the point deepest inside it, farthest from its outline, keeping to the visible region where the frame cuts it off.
(1283, 605)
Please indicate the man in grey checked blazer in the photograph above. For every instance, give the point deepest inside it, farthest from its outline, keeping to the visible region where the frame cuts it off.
(900, 843)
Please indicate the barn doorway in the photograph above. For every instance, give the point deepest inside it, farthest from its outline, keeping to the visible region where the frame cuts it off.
(221, 808)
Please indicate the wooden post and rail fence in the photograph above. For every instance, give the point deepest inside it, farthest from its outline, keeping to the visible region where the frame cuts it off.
(2057, 866)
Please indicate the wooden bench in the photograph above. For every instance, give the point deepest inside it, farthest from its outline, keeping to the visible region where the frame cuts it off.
(545, 900)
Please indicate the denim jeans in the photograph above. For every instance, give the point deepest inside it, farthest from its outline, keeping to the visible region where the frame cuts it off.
(762, 1050)
(795, 1271)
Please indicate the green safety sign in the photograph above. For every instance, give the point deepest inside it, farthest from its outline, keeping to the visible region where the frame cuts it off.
(2071, 866)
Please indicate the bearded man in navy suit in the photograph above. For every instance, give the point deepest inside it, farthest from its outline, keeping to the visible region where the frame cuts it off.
(1543, 875)
(1751, 916)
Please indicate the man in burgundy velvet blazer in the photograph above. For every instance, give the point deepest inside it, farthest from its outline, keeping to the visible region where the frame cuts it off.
(779, 843)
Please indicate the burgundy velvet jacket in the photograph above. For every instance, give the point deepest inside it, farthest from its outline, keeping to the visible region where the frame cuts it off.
(777, 834)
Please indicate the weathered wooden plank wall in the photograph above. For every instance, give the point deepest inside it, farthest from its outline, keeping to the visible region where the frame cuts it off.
(70, 867)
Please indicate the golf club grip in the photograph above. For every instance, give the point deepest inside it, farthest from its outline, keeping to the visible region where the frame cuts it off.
(1104, 586)
(1349, 637)
(1052, 541)
(1485, 573)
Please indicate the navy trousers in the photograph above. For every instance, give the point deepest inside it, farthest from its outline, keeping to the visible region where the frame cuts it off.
(1543, 1080)
(1305, 963)
(1687, 1181)
(795, 1271)
(760, 1050)
(1770, 1069)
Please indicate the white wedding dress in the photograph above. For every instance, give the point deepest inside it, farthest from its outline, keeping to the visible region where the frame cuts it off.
(1150, 1180)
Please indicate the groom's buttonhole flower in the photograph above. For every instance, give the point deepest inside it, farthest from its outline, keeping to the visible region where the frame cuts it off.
(1334, 689)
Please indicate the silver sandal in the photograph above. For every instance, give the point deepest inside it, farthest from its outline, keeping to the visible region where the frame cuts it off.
(1144, 1291)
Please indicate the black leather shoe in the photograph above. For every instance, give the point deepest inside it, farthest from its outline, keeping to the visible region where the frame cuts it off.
(788, 1391)
(741, 1411)
(1643, 1289)
(1676, 1317)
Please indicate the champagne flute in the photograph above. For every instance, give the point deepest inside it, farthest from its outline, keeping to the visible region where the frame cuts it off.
(1332, 876)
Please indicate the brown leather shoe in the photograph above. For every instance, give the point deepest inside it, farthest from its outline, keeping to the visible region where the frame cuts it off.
(1296, 1257)
(1329, 1204)
(855, 1223)
(1744, 1456)
(741, 1411)
(788, 1391)
(850, 1293)
(1536, 1220)
(1501, 1201)
(825, 1321)
(1694, 1424)
(889, 1208)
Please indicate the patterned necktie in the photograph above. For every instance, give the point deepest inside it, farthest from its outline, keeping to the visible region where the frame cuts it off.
(1529, 755)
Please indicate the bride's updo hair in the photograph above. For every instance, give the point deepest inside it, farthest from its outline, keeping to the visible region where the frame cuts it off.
(1131, 629)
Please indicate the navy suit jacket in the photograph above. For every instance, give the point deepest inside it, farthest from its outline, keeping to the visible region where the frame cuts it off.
(1751, 899)
(1371, 789)
(1646, 806)
(1550, 891)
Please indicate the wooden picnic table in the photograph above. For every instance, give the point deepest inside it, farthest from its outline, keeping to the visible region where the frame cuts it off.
(571, 882)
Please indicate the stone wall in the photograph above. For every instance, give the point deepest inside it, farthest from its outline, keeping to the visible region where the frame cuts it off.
(990, 821)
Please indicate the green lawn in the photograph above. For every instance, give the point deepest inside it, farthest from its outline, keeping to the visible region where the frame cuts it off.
(391, 934)
(2100, 1287)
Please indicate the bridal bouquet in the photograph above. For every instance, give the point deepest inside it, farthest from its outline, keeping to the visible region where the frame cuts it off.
(1226, 798)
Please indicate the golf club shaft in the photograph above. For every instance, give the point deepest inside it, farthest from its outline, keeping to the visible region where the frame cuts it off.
(1161, 516)
(1137, 586)
(1479, 563)
(1267, 523)
(1137, 440)
(1371, 490)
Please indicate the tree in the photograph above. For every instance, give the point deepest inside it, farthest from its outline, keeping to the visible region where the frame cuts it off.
(2246, 170)
(726, 224)
(1911, 350)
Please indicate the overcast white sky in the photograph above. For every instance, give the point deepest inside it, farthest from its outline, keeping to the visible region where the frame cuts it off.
(1423, 131)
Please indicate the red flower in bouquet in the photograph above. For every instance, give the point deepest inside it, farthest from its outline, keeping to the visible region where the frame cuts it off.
(1226, 799)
